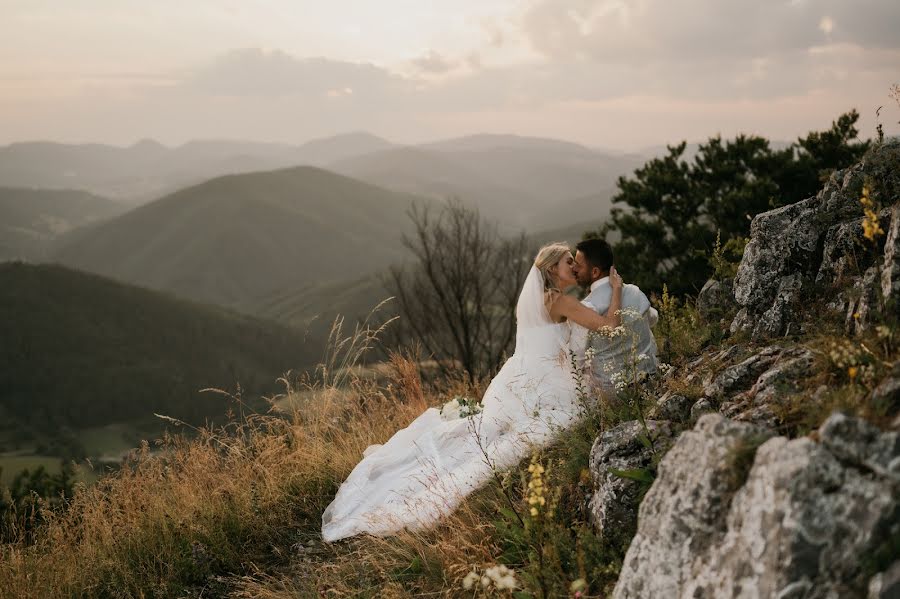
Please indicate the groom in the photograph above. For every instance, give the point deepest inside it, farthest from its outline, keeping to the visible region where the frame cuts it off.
(593, 259)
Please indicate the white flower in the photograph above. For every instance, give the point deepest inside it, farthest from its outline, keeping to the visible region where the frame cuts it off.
(470, 580)
(460, 407)
(628, 313)
(578, 585)
(507, 582)
(450, 410)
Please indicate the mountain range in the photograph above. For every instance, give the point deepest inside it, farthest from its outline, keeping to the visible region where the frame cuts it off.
(147, 169)
(519, 181)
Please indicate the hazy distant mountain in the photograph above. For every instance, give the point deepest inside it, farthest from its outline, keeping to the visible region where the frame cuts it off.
(320, 152)
(488, 141)
(517, 180)
(80, 350)
(238, 237)
(30, 219)
(591, 208)
(147, 169)
(437, 175)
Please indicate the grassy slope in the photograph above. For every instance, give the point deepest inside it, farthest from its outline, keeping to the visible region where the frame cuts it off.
(79, 350)
(239, 237)
(238, 513)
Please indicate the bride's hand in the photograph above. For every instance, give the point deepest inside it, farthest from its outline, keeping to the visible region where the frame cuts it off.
(615, 279)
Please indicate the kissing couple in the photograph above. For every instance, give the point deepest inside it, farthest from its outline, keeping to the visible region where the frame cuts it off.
(424, 471)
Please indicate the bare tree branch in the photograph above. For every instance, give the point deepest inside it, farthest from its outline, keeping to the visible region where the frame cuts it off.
(458, 297)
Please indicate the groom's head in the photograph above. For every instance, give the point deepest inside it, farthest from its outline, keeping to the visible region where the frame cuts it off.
(593, 259)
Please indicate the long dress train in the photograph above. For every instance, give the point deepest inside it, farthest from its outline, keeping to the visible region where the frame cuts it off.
(425, 470)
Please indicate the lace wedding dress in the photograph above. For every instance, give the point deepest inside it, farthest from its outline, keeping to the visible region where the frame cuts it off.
(425, 470)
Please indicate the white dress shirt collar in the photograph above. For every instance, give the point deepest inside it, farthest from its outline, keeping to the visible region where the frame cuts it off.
(599, 282)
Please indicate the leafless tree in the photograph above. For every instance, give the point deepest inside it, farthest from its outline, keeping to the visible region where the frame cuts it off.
(458, 297)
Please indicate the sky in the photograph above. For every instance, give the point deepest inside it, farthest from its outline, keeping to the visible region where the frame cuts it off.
(614, 74)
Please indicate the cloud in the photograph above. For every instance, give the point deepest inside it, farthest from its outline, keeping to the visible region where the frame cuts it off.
(636, 31)
(434, 63)
(708, 49)
(273, 73)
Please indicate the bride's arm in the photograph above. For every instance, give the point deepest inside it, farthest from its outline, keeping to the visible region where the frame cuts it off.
(578, 313)
(572, 309)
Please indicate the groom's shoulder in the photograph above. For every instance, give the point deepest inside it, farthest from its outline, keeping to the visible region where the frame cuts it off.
(634, 289)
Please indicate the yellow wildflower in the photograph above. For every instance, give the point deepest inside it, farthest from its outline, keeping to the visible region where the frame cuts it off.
(536, 488)
(871, 227)
(852, 372)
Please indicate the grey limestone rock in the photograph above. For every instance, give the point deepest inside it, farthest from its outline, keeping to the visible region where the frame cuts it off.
(800, 524)
(815, 242)
(613, 506)
(747, 390)
(716, 297)
(672, 406)
(741, 375)
(700, 407)
(790, 366)
(890, 273)
(886, 585)
(888, 390)
(684, 510)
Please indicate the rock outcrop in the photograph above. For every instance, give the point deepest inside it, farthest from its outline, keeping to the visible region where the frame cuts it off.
(809, 519)
(796, 251)
(613, 505)
(735, 510)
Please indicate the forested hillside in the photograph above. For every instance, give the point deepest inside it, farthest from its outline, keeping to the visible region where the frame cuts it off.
(31, 219)
(80, 350)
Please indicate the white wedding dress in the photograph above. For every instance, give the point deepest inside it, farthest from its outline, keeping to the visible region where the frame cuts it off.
(425, 470)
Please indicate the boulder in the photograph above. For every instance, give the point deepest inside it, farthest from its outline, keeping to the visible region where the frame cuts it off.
(613, 505)
(716, 298)
(673, 407)
(890, 272)
(809, 519)
(887, 393)
(700, 407)
(886, 585)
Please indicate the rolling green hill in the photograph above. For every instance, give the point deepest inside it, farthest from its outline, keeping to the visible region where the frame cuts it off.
(30, 219)
(313, 308)
(236, 238)
(79, 351)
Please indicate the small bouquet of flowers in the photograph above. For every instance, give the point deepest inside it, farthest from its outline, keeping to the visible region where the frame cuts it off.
(460, 407)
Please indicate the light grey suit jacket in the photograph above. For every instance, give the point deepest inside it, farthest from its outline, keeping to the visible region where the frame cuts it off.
(637, 347)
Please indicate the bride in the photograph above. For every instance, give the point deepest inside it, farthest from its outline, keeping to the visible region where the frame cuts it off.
(425, 470)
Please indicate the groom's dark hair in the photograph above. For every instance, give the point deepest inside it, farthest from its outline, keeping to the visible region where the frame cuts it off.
(597, 252)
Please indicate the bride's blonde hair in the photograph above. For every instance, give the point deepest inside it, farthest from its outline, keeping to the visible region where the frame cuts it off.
(548, 257)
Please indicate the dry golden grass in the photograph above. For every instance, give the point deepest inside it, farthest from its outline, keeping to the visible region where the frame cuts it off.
(237, 511)
(231, 499)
